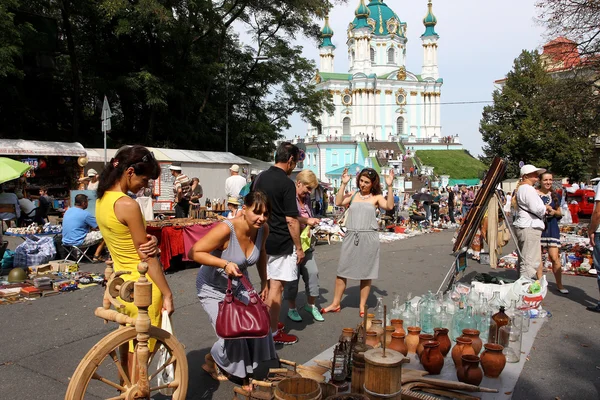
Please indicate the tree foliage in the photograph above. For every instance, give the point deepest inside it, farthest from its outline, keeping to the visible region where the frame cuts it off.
(169, 68)
(539, 119)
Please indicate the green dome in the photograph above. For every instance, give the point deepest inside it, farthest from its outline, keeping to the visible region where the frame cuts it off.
(326, 34)
(430, 21)
(378, 17)
(361, 10)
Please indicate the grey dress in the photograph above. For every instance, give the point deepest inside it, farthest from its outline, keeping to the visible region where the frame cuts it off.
(360, 248)
(238, 357)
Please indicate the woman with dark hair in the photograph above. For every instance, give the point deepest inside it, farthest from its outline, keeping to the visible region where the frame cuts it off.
(120, 220)
(551, 235)
(227, 251)
(360, 249)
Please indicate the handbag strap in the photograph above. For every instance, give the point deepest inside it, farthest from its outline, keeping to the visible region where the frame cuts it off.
(526, 210)
(245, 282)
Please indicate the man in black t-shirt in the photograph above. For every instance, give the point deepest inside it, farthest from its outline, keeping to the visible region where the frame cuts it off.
(283, 244)
(451, 204)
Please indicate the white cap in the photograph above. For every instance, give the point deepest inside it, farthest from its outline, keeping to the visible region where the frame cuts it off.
(235, 168)
(529, 169)
(92, 172)
(175, 168)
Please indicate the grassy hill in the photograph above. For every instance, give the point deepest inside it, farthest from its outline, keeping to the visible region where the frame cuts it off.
(457, 163)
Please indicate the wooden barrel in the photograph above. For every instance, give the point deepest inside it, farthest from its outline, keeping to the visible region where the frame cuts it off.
(348, 396)
(298, 389)
(358, 367)
(328, 389)
(383, 374)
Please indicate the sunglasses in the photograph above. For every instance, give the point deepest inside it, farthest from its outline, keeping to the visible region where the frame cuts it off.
(148, 157)
(370, 172)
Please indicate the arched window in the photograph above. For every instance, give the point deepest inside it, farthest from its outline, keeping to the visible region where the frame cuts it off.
(400, 126)
(352, 57)
(391, 56)
(346, 126)
(372, 54)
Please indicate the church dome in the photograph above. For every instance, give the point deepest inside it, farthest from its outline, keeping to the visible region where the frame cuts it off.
(430, 21)
(382, 20)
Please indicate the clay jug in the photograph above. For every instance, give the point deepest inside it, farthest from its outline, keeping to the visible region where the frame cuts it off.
(432, 358)
(492, 360)
(423, 337)
(462, 346)
(398, 344)
(470, 372)
(473, 334)
(377, 326)
(441, 335)
(372, 339)
(369, 319)
(412, 340)
(387, 335)
(347, 334)
(399, 325)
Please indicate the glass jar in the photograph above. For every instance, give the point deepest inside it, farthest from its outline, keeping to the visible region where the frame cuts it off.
(379, 314)
(442, 319)
(510, 336)
(496, 302)
(427, 312)
(457, 318)
(468, 321)
(523, 308)
(409, 317)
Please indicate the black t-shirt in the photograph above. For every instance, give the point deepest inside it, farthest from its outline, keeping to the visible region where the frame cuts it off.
(451, 199)
(281, 191)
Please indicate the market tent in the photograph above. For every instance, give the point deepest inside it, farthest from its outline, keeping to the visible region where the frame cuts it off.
(40, 148)
(210, 167)
(467, 182)
(352, 170)
(256, 165)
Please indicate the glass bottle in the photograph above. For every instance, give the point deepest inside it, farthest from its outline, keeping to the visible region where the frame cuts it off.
(379, 308)
(501, 319)
(442, 319)
(510, 337)
(468, 321)
(427, 312)
(483, 316)
(449, 302)
(457, 319)
(396, 310)
(495, 302)
(514, 314)
(409, 317)
(473, 295)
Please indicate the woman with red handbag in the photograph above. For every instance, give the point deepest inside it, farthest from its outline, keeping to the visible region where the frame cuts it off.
(226, 253)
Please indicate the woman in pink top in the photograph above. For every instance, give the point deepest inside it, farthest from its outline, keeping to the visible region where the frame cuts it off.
(306, 182)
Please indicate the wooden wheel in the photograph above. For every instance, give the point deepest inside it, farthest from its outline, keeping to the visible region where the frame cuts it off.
(101, 372)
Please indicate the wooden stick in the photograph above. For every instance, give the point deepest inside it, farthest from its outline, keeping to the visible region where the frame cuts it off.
(453, 385)
(450, 393)
(384, 326)
(365, 312)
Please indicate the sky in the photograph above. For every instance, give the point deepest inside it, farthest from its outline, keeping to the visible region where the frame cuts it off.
(479, 41)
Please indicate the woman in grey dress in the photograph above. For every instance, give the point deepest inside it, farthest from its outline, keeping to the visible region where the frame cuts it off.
(360, 249)
(227, 251)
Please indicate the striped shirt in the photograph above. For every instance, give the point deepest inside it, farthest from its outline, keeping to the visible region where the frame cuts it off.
(183, 182)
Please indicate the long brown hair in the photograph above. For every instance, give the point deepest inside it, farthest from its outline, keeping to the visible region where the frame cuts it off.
(373, 176)
(553, 194)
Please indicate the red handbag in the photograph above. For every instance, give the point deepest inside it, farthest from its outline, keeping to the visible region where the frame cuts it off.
(237, 320)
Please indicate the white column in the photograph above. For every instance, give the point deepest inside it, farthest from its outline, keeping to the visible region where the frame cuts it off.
(439, 115)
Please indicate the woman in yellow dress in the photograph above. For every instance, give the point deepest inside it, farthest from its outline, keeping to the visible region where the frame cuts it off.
(124, 229)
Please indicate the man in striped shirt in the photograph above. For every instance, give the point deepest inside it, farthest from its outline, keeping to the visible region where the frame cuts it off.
(182, 192)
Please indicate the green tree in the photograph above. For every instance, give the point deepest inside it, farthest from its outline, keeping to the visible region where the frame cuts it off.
(528, 123)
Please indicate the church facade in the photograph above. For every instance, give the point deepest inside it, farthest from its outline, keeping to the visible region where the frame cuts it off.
(377, 99)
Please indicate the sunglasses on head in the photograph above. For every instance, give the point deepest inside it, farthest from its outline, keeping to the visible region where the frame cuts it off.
(371, 173)
(148, 157)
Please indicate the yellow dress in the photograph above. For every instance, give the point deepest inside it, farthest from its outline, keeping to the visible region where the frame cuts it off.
(122, 250)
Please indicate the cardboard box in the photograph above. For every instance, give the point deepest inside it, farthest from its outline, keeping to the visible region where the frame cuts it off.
(63, 266)
(41, 269)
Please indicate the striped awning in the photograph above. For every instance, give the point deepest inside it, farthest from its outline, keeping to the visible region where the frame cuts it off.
(20, 147)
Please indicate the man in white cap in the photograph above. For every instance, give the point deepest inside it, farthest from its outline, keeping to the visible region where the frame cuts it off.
(182, 192)
(530, 221)
(93, 175)
(235, 183)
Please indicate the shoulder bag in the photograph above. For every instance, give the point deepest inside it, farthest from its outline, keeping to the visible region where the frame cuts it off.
(237, 320)
(544, 220)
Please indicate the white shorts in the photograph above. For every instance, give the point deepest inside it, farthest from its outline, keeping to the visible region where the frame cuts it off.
(283, 268)
(92, 238)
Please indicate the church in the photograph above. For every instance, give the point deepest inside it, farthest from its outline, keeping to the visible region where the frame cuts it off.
(378, 99)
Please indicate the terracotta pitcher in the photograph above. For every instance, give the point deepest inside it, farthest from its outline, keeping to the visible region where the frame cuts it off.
(387, 335)
(398, 324)
(412, 339)
(423, 337)
(462, 346)
(470, 372)
(441, 335)
(377, 326)
(398, 344)
(492, 360)
(370, 318)
(473, 334)
(432, 358)
(372, 339)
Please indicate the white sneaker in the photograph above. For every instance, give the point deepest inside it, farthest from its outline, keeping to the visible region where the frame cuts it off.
(593, 271)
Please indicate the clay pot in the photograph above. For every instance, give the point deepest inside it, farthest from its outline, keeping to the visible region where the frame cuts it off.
(369, 319)
(423, 337)
(412, 339)
(441, 335)
(492, 360)
(399, 325)
(470, 372)
(432, 358)
(398, 344)
(372, 339)
(462, 347)
(346, 335)
(388, 335)
(377, 326)
(473, 334)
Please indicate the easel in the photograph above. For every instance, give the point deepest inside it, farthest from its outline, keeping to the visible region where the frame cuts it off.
(508, 225)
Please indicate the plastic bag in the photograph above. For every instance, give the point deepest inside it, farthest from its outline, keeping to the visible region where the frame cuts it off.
(520, 288)
(307, 239)
(566, 215)
(167, 375)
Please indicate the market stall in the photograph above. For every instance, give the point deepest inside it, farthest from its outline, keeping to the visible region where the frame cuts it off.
(54, 167)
